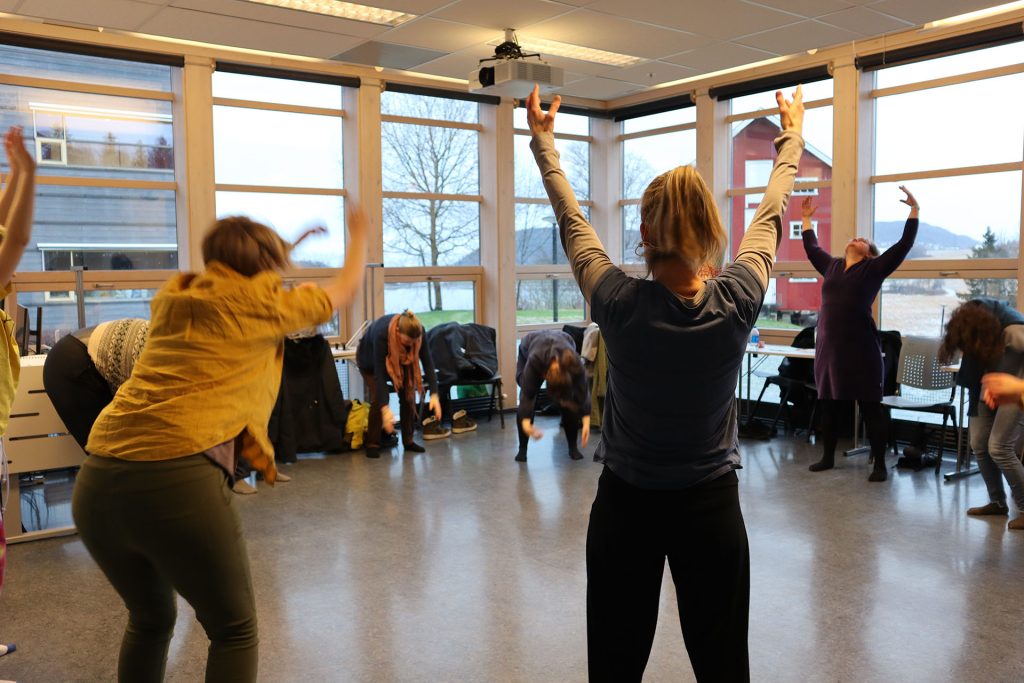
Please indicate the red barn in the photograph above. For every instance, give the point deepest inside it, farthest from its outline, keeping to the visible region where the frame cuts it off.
(752, 160)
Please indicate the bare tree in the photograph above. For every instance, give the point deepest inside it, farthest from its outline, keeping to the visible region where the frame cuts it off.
(432, 160)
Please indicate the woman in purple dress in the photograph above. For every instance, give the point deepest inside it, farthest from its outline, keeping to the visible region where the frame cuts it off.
(848, 359)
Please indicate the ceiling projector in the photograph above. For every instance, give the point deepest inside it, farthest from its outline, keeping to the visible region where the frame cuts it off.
(512, 72)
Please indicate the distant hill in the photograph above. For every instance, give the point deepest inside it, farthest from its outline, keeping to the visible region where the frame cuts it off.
(928, 235)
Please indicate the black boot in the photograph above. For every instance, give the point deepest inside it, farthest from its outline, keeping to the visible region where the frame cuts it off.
(827, 462)
(879, 472)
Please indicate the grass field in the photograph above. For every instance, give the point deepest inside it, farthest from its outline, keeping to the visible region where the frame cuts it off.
(527, 317)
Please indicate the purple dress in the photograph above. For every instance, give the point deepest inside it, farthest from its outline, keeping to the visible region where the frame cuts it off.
(848, 358)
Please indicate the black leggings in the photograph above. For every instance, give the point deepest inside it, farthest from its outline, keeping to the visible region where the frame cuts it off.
(75, 387)
(701, 532)
(874, 419)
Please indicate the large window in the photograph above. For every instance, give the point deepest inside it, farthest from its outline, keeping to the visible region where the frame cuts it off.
(794, 296)
(278, 159)
(651, 145)
(435, 301)
(967, 178)
(105, 161)
(431, 179)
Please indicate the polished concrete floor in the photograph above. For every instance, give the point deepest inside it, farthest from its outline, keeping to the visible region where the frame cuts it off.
(462, 565)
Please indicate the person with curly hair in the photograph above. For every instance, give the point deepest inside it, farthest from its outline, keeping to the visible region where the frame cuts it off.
(990, 335)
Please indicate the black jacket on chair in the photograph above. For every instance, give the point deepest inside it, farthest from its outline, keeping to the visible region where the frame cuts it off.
(463, 352)
(312, 407)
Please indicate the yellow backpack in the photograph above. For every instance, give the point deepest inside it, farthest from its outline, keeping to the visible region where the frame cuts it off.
(355, 425)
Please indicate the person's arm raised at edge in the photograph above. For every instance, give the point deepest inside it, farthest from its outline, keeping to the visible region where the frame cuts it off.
(759, 245)
(343, 287)
(22, 187)
(581, 244)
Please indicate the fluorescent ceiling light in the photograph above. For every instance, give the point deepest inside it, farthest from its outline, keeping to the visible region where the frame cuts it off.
(343, 10)
(98, 112)
(971, 16)
(584, 54)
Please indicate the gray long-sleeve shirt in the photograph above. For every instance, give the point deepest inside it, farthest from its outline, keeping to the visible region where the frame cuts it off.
(673, 362)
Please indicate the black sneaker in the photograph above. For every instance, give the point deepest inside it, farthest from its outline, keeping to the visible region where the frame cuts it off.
(521, 456)
(433, 429)
(462, 423)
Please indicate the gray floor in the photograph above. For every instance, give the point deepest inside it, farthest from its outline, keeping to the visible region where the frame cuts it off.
(461, 565)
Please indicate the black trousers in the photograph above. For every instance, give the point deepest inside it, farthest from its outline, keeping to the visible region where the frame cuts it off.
(701, 532)
(874, 421)
(75, 387)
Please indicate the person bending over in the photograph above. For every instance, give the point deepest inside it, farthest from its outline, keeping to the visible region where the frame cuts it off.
(393, 348)
(152, 503)
(550, 356)
(990, 335)
(848, 352)
(669, 435)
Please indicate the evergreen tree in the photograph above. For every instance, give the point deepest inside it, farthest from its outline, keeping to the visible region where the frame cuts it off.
(1003, 289)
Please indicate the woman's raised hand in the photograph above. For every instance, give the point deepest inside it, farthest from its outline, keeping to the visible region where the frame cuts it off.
(807, 207)
(909, 199)
(538, 120)
(792, 111)
(17, 156)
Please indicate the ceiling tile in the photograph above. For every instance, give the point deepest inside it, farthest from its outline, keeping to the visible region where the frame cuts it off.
(599, 88)
(720, 56)
(651, 73)
(457, 65)
(605, 32)
(387, 55)
(517, 15)
(715, 19)
(120, 14)
(286, 17)
(806, 35)
(435, 34)
(923, 11)
(257, 35)
(805, 8)
(865, 21)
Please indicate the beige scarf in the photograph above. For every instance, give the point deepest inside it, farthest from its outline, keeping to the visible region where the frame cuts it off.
(402, 358)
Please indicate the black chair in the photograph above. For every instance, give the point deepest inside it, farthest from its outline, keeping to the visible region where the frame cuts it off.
(795, 381)
(466, 355)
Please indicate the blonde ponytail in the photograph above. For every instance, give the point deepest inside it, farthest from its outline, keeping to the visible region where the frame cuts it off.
(682, 221)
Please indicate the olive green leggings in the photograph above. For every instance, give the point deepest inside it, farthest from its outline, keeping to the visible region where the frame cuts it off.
(159, 527)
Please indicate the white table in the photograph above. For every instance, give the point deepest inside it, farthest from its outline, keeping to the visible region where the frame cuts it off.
(343, 354)
(767, 350)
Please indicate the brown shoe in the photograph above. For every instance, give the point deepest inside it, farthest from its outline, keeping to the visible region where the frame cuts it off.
(1016, 523)
(989, 509)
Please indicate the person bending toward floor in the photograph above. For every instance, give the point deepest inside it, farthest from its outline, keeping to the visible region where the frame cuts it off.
(84, 369)
(550, 356)
(848, 352)
(990, 335)
(152, 503)
(17, 203)
(393, 348)
(669, 435)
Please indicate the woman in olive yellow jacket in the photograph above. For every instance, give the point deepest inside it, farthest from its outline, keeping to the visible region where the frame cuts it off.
(153, 504)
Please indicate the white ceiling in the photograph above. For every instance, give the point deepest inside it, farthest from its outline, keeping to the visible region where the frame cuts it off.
(677, 38)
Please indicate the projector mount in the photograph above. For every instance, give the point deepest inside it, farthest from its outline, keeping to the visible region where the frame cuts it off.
(509, 50)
